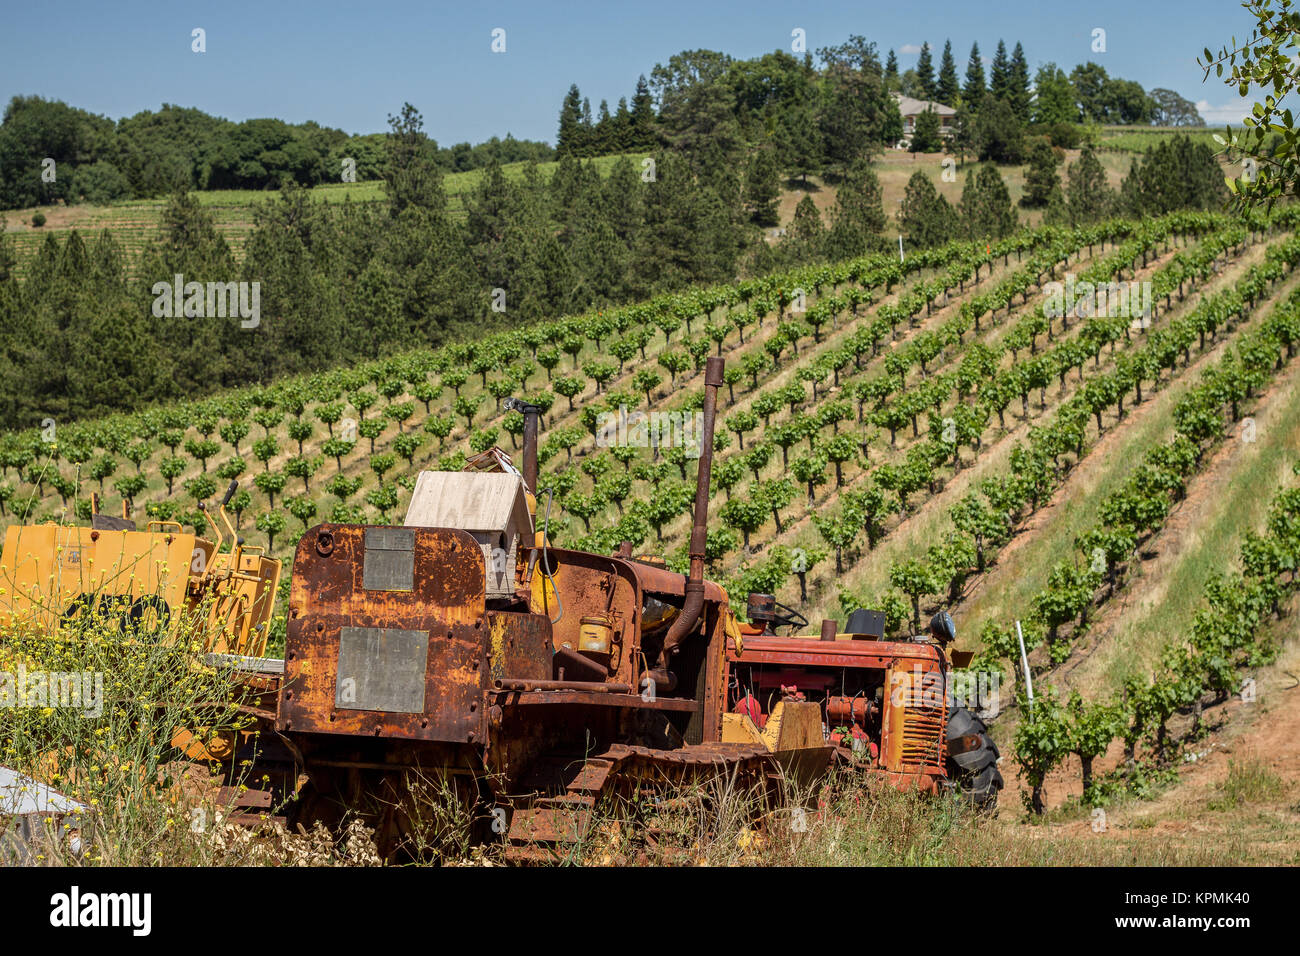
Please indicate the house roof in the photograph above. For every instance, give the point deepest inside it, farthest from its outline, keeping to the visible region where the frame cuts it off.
(908, 106)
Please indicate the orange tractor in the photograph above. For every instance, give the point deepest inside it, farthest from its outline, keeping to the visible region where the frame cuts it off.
(537, 679)
(890, 704)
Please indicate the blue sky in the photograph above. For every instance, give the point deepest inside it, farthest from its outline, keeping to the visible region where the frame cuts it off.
(349, 65)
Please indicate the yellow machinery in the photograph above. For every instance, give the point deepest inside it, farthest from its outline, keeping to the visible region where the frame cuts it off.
(147, 580)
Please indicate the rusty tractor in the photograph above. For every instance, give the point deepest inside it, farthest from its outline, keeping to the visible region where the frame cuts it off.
(887, 706)
(531, 681)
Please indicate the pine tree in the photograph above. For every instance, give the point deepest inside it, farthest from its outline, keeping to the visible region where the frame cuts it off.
(1000, 73)
(947, 89)
(440, 290)
(569, 138)
(622, 127)
(291, 337)
(588, 129)
(986, 205)
(621, 210)
(643, 116)
(762, 188)
(1040, 178)
(799, 141)
(856, 112)
(688, 234)
(1057, 212)
(1018, 85)
(188, 349)
(997, 134)
(489, 213)
(1088, 196)
(858, 217)
(926, 218)
(806, 231)
(891, 71)
(621, 199)
(925, 72)
(963, 132)
(598, 258)
(972, 93)
(926, 137)
(1176, 174)
(603, 134)
(411, 174)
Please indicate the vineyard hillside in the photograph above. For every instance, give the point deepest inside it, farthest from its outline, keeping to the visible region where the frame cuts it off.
(915, 435)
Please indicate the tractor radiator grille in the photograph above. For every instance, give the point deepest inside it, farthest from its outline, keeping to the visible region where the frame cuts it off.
(923, 726)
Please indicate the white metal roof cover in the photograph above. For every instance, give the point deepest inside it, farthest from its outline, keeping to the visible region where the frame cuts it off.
(470, 501)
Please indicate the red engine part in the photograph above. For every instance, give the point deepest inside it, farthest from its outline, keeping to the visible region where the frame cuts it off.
(856, 733)
(750, 707)
(851, 709)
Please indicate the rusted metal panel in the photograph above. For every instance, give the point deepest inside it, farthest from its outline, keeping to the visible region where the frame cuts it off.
(810, 651)
(586, 585)
(906, 782)
(663, 581)
(445, 602)
(381, 668)
(389, 563)
(714, 698)
(550, 825)
(710, 754)
(519, 646)
(913, 720)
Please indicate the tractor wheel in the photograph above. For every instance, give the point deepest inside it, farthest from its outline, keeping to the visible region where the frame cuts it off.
(976, 770)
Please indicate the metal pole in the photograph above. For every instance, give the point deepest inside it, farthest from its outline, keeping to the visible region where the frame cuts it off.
(1024, 663)
(900, 247)
(531, 414)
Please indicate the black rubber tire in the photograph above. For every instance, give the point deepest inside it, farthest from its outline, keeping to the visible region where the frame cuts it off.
(974, 772)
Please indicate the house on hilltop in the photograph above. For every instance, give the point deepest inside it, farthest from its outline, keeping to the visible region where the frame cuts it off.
(911, 108)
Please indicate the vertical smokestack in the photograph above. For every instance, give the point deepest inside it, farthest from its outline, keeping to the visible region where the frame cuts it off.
(530, 413)
(829, 629)
(686, 621)
(699, 528)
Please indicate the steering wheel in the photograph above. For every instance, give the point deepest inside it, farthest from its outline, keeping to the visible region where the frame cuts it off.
(790, 617)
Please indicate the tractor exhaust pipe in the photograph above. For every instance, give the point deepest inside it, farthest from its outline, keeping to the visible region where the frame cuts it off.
(690, 616)
(531, 414)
